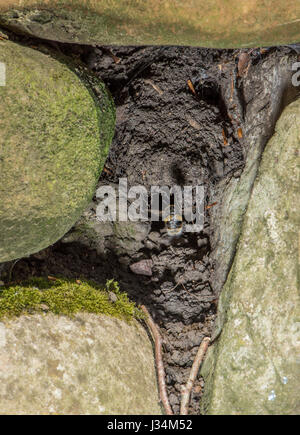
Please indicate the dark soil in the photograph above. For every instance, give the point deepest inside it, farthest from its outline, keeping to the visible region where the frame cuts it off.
(167, 133)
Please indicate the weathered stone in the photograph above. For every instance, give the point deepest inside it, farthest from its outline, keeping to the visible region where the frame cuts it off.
(53, 144)
(119, 22)
(90, 364)
(112, 297)
(154, 236)
(122, 238)
(253, 367)
(143, 267)
(232, 196)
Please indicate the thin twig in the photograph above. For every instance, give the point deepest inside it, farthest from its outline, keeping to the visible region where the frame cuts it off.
(159, 362)
(171, 289)
(192, 294)
(195, 296)
(185, 395)
(154, 86)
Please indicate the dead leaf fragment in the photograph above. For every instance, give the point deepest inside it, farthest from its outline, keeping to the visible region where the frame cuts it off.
(116, 59)
(191, 86)
(224, 138)
(211, 205)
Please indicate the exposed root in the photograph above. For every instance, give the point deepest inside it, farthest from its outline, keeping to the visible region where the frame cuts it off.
(185, 395)
(159, 361)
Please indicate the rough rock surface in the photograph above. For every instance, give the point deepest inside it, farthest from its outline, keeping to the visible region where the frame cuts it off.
(125, 238)
(233, 196)
(54, 141)
(88, 364)
(197, 23)
(253, 367)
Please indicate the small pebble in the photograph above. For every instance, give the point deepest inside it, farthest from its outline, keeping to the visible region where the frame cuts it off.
(197, 389)
(143, 267)
(112, 297)
(154, 236)
(173, 399)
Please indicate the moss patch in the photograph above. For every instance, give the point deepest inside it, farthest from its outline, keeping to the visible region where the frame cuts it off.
(66, 297)
(55, 137)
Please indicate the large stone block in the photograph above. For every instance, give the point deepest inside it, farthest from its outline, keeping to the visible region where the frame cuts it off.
(89, 364)
(54, 139)
(253, 367)
(157, 22)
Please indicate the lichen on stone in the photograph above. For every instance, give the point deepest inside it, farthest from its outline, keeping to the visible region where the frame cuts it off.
(252, 367)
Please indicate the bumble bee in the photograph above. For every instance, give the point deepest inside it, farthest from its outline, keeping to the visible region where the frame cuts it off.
(174, 223)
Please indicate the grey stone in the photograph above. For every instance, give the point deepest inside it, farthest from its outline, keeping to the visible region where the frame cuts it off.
(154, 236)
(143, 267)
(202, 242)
(233, 196)
(252, 368)
(88, 364)
(112, 297)
(123, 238)
(149, 245)
(96, 23)
(173, 399)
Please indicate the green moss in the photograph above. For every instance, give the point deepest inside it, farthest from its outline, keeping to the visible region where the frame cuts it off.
(56, 128)
(65, 297)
